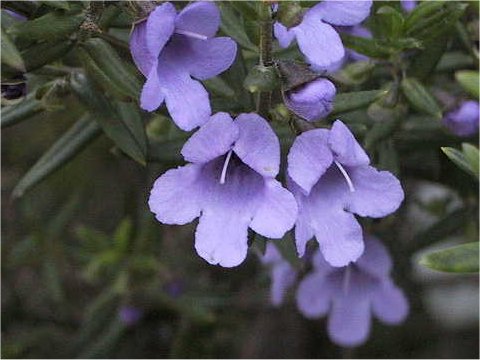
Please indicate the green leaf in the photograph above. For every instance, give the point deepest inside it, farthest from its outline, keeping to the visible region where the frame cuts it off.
(419, 97)
(472, 157)
(464, 163)
(286, 247)
(62, 5)
(370, 47)
(433, 23)
(10, 54)
(390, 22)
(114, 120)
(25, 109)
(219, 87)
(354, 100)
(469, 79)
(50, 27)
(456, 259)
(64, 149)
(40, 54)
(232, 25)
(446, 226)
(106, 67)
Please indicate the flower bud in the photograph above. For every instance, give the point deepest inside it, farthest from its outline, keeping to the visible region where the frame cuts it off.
(464, 120)
(289, 13)
(312, 101)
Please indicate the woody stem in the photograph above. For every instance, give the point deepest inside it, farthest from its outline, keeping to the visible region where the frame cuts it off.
(266, 32)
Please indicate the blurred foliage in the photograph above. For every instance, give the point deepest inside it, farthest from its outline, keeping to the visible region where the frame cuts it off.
(79, 157)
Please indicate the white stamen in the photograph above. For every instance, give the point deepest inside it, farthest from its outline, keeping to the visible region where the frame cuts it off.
(345, 175)
(191, 34)
(225, 166)
(346, 280)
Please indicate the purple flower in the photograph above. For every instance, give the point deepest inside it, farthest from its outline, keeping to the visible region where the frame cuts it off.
(170, 49)
(282, 274)
(130, 315)
(230, 184)
(408, 5)
(312, 101)
(316, 38)
(330, 176)
(349, 295)
(463, 121)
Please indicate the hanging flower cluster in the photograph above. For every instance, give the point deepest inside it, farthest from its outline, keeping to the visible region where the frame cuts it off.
(348, 295)
(229, 181)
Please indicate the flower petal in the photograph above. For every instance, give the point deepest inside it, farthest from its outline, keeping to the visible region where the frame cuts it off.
(375, 260)
(390, 304)
(201, 18)
(346, 13)
(309, 158)
(319, 42)
(159, 28)
(338, 233)
(138, 47)
(377, 193)
(345, 147)
(283, 277)
(258, 146)
(283, 35)
(349, 321)
(186, 99)
(175, 196)
(312, 101)
(227, 210)
(303, 230)
(314, 295)
(221, 239)
(152, 95)
(213, 139)
(277, 212)
(211, 57)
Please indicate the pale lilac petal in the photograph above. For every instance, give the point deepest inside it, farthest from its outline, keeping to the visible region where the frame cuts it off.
(320, 265)
(303, 231)
(375, 260)
(227, 210)
(377, 193)
(277, 212)
(314, 295)
(390, 304)
(283, 35)
(272, 256)
(152, 95)
(213, 139)
(258, 145)
(319, 42)
(160, 27)
(345, 147)
(186, 99)
(141, 55)
(283, 277)
(202, 17)
(175, 197)
(211, 57)
(309, 158)
(345, 13)
(312, 101)
(221, 238)
(349, 321)
(337, 231)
